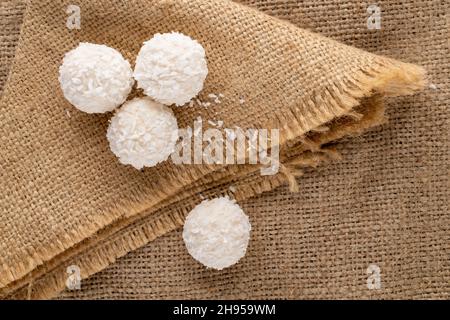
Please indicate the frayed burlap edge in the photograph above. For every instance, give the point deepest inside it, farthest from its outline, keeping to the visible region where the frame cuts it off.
(384, 76)
(308, 152)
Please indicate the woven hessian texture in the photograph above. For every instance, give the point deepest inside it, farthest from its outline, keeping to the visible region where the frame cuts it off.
(11, 19)
(385, 203)
(92, 145)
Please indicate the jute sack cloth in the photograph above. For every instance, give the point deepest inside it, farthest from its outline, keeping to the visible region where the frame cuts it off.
(11, 20)
(67, 199)
(385, 203)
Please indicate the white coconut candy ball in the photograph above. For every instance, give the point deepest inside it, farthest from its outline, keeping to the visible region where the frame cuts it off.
(95, 78)
(143, 133)
(216, 233)
(171, 68)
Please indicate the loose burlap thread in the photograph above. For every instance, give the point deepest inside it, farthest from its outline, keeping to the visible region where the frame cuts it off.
(290, 78)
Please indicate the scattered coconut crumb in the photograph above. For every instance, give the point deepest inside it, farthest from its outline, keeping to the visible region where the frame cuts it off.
(241, 100)
(230, 135)
(214, 98)
(433, 86)
(202, 196)
(218, 124)
(199, 129)
(68, 114)
(232, 188)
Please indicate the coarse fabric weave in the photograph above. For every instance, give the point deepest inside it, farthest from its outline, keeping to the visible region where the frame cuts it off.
(11, 13)
(78, 205)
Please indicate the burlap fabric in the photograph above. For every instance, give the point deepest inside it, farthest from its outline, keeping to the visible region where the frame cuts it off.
(385, 203)
(10, 22)
(382, 73)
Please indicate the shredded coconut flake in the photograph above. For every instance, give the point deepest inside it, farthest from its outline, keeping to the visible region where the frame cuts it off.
(95, 78)
(217, 232)
(171, 68)
(143, 133)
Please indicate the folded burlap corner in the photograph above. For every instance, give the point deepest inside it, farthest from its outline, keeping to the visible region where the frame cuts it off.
(66, 200)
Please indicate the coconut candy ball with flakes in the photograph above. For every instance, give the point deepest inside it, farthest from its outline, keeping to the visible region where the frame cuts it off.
(143, 133)
(95, 78)
(217, 232)
(171, 68)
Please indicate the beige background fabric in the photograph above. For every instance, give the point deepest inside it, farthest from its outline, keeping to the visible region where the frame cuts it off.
(11, 13)
(65, 199)
(386, 203)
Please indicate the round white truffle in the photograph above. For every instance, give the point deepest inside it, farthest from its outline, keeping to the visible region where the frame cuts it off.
(95, 78)
(216, 233)
(171, 68)
(143, 133)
